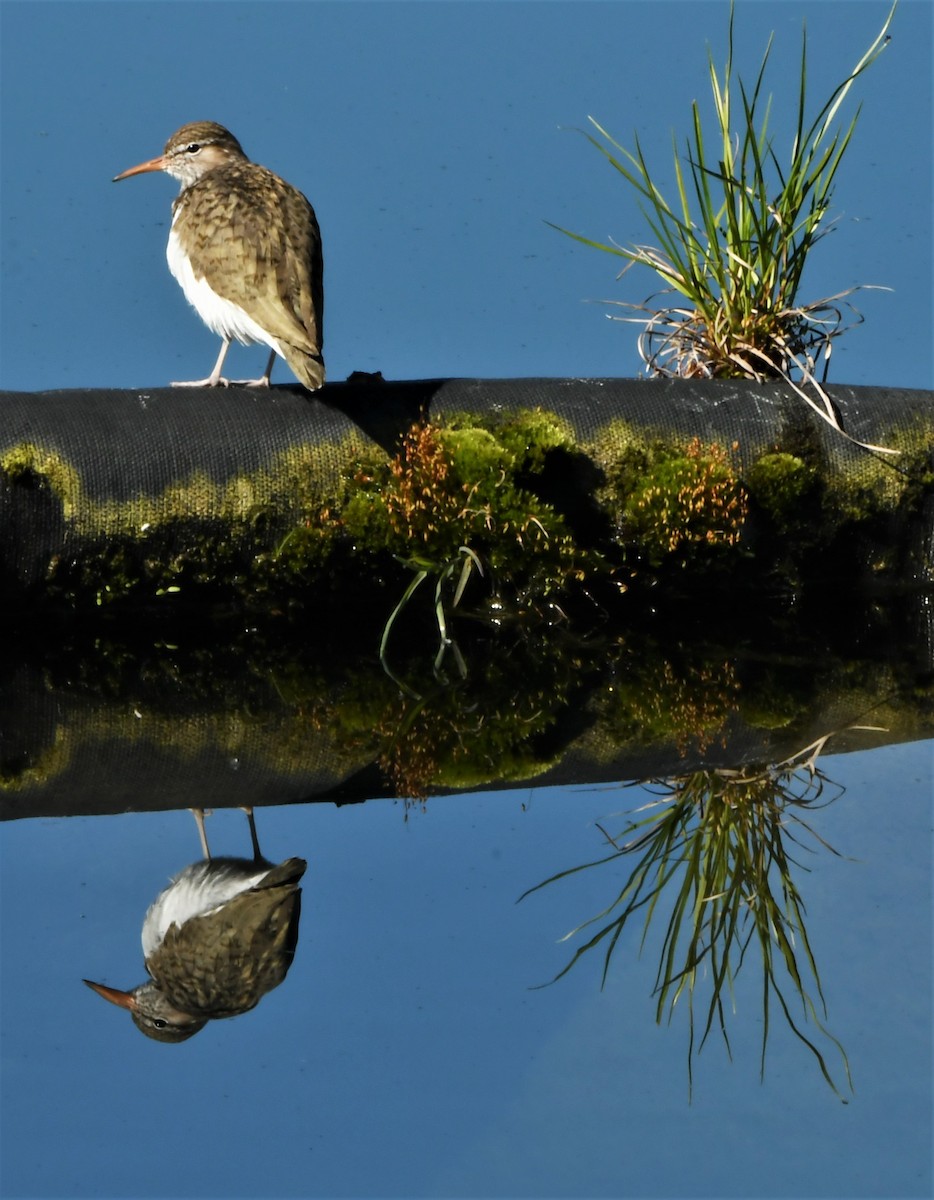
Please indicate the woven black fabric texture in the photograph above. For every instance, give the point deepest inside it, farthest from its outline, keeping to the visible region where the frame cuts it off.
(124, 442)
(118, 447)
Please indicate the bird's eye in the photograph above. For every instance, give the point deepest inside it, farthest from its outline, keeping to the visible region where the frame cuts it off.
(192, 147)
(159, 1022)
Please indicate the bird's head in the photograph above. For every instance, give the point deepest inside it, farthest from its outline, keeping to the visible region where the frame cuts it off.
(192, 152)
(151, 1011)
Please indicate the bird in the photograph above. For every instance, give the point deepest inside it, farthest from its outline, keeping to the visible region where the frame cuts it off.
(215, 941)
(245, 247)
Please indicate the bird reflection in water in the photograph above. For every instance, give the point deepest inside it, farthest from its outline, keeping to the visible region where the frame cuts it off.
(215, 941)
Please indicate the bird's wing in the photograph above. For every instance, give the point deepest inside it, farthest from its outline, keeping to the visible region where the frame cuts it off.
(220, 964)
(255, 220)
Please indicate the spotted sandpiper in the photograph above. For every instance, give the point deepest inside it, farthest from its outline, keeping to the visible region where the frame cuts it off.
(246, 249)
(215, 941)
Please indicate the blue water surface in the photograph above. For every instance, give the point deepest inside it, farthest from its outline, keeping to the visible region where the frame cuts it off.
(408, 1053)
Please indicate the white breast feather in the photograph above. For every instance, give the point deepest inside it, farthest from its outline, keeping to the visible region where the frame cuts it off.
(223, 317)
(196, 890)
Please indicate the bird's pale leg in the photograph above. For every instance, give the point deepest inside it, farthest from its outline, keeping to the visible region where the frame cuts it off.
(263, 382)
(214, 379)
(198, 814)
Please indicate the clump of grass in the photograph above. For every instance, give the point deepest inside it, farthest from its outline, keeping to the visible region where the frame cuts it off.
(735, 242)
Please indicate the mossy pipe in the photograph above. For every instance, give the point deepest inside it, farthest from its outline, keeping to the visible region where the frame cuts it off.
(81, 467)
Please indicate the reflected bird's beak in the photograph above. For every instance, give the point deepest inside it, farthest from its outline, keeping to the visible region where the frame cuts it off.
(114, 995)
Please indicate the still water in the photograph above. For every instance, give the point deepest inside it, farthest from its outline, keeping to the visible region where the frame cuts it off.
(409, 1051)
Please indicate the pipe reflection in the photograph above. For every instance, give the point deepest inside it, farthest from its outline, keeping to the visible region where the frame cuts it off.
(215, 941)
(713, 862)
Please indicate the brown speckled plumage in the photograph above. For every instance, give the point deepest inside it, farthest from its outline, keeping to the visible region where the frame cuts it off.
(215, 941)
(253, 239)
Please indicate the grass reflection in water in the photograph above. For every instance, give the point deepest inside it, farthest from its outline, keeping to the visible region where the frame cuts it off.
(713, 859)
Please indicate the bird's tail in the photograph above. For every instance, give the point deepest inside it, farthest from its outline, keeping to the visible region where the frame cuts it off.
(308, 367)
(289, 871)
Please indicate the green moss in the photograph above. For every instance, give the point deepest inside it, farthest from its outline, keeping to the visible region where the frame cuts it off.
(541, 512)
(299, 481)
(281, 742)
(195, 533)
(492, 725)
(528, 436)
(764, 709)
(50, 468)
(38, 769)
(780, 483)
(622, 453)
(474, 455)
(866, 486)
(669, 497)
(453, 485)
(657, 699)
(686, 503)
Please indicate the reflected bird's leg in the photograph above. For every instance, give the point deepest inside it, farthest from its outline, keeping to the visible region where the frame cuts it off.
(257, 853)
(198, 814)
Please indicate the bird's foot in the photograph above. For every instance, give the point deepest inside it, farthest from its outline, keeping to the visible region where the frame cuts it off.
(222, 382)
(211, 381)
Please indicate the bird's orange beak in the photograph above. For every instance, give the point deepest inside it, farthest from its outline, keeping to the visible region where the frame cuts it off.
(121, 999)
(154, 164)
